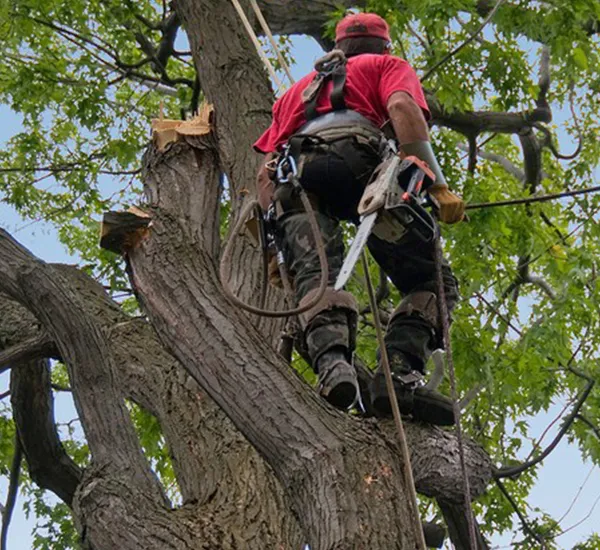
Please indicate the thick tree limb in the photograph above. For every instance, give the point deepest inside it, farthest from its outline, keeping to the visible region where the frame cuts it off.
(208, 331)
(33, 409)
(292, 17)
(106, 421)
(477, 122)
(38, 347)
(456, 520)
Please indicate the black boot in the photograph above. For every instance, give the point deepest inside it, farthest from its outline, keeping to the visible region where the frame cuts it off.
(413, 398)
(337, 379)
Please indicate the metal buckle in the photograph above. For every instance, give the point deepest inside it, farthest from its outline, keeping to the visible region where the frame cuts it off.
(286, 168)
(412, 380)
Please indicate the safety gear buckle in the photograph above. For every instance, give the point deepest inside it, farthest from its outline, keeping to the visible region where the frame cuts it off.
(287, 169)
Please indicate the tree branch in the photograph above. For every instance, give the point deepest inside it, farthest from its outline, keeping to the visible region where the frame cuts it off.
(514, 471)
(13, 488)
(38, 347)
(470, 39)
(524, 522)
(458, 529)
(106, 421)
(33, 409)
(589, 424)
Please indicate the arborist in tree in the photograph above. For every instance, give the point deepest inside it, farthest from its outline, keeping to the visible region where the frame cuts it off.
(330, 124)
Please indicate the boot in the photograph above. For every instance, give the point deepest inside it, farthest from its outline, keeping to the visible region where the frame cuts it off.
(337, 379)
(413, 398)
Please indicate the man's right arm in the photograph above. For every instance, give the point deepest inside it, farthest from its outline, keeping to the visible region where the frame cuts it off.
(412, 132)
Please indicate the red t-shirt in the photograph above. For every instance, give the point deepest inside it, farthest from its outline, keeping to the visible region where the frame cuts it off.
(371, 80)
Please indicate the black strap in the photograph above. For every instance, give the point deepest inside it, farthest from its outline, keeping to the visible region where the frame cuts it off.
(339, 82)
(336, 72)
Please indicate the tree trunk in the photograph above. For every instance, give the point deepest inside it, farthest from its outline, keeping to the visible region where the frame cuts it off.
(260, 460)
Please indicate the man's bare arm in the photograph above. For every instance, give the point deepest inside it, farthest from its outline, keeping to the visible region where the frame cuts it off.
(412, 132)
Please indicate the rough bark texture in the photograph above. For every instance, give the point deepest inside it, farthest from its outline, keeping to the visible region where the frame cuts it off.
(260, 460)
(343, 480)
(33, 410)
(220, 475)
(235, 82)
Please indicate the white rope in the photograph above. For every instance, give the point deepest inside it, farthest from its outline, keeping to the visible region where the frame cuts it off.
(267, 31)
(257, 45)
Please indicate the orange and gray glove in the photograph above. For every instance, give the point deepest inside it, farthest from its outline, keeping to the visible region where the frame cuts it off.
(452, 207)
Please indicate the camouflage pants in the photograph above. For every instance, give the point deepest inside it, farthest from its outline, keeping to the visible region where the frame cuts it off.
(409, 264)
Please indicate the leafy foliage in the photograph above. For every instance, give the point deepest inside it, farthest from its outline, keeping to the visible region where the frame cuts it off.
(80, 76)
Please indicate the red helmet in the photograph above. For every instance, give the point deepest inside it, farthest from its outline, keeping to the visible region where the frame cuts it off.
(362, 24)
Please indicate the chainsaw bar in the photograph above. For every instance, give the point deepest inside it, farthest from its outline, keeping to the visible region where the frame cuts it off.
(362, 235)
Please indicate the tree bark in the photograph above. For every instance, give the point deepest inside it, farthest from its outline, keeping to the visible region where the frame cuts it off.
(327, 461)
(239, 424)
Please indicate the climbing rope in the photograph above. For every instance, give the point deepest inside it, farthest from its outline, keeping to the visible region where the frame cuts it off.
(385, 362)
(267, 31)
(445, 322)
(257, 44)
(224, 267)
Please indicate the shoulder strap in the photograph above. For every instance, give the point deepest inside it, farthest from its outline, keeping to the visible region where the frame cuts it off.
(330, 67)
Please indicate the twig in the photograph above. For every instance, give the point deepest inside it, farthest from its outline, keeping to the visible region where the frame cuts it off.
(589, 424)
(4, 395)
(576, 498)
(533, 259)
(494, 310)
(13, 487)
(587, 516)
(536, 444)
(523, 519)
(549, 143)
(465, 43)
(541, 283)
(514, 471)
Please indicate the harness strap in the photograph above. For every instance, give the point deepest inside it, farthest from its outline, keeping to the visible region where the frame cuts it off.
(339, 82)
(330, 67)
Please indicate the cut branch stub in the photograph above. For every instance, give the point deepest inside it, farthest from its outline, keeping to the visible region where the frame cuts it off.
(122, 231)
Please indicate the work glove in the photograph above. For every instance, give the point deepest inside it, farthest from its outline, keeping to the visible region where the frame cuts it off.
(452, 207)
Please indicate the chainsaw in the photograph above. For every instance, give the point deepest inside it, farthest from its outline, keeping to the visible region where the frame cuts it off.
(393, 205)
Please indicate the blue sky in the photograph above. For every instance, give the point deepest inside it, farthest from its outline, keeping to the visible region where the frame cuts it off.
(559, 480)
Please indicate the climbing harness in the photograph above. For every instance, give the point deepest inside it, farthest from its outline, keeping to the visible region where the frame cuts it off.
(333, 67)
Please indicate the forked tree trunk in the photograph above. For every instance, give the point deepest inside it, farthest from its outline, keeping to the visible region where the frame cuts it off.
(260, 460)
